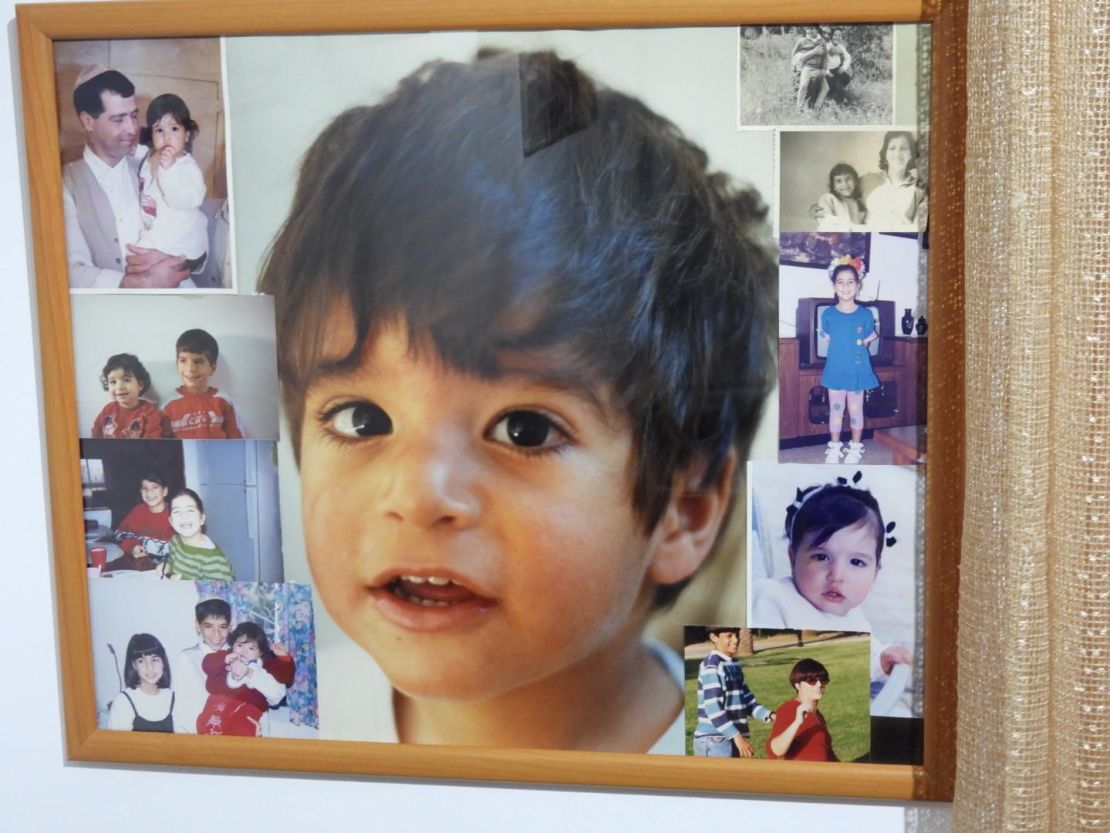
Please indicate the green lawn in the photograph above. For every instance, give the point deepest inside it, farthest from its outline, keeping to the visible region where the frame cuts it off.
(846, 704)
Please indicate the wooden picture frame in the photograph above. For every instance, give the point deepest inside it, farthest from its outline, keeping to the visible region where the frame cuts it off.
(40, 26)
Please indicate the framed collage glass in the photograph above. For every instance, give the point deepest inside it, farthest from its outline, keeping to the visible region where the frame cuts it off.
(472, 392)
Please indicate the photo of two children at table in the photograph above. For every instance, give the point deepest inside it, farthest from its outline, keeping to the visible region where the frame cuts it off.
(182, 509)
(204, 657)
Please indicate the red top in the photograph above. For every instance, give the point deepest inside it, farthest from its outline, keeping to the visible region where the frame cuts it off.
(202, 416)
(141, 526)
(812, 742)
(144, 421)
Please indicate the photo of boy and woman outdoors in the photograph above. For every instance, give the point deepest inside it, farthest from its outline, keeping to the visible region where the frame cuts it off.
(518, 290)
(778, 694)
(205, 657)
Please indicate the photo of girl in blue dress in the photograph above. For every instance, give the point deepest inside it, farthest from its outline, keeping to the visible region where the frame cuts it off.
(849, 329)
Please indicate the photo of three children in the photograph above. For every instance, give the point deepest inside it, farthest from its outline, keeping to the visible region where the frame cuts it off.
(207, 657)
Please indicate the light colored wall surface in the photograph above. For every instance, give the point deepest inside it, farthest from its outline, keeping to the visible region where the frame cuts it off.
(40, 792)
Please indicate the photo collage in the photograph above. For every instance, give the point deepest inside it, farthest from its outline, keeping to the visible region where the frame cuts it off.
(440, 400)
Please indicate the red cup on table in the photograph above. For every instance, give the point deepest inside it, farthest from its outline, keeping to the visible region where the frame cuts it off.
(99, 557)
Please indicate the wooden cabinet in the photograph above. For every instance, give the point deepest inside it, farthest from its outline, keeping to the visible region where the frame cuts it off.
(795, 384)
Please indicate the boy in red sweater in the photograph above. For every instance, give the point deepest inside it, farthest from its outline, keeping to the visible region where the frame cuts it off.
(200, 412)
(144, 533)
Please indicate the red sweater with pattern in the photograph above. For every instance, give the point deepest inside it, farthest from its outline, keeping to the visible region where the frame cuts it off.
(144, 421)
(202, 416)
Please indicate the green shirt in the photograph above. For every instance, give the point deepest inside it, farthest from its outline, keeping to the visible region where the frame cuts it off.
(194, 563)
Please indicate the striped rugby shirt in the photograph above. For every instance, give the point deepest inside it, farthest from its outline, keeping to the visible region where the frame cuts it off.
(724, 699)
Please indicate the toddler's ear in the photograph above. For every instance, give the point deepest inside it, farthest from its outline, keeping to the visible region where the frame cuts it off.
(688, 529)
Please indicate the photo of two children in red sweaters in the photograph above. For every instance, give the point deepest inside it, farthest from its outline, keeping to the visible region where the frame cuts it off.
(185, 367)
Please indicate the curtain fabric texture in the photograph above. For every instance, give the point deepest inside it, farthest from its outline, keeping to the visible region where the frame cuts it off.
(1034, 653)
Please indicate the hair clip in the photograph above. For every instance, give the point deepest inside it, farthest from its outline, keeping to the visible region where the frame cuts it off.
(802, 497)
(855, 263)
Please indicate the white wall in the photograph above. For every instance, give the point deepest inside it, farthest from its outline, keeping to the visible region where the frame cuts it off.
(40, 792)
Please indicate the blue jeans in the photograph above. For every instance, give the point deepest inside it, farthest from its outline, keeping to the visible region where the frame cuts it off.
(714, 746)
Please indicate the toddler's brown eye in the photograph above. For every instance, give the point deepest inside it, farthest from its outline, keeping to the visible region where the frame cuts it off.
(360, 419)
(527, 429)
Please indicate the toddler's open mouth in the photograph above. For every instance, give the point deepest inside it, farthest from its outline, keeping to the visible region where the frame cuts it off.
(432, 591)
(430, 602)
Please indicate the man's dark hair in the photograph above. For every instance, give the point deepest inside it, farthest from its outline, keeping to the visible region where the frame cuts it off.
(511, 207)
(200, 342)
(213, 608)
(86, 97)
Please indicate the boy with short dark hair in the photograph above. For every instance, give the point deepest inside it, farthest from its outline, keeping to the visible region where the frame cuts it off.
(200, 412)
(725, 701)
(525, 336)
(144, 533)
(213, 621)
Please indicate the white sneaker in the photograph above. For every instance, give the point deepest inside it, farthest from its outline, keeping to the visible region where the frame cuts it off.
(832, 455)
(855, 452)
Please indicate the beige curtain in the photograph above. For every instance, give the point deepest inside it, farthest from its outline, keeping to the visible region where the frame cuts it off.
(1034, 645)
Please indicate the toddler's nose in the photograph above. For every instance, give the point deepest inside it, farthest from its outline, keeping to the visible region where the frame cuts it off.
(430, 484)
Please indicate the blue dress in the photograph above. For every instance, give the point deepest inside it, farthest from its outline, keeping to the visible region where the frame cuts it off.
(848, 366)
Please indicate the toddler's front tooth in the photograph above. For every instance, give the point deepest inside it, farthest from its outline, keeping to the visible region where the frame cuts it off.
(438, 581)
(413, 579)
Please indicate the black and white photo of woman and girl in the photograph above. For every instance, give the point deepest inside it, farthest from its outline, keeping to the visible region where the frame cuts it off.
(866, 180)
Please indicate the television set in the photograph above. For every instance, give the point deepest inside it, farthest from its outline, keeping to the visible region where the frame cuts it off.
(813, 350)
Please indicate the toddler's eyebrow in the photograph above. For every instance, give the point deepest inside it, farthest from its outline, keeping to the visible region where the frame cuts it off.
(554, 379)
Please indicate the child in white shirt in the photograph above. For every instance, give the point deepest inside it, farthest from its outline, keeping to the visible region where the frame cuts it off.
(172, 185)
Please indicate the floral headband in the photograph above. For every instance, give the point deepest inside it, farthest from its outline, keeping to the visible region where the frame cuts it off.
(801, 498)
(847, 260)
